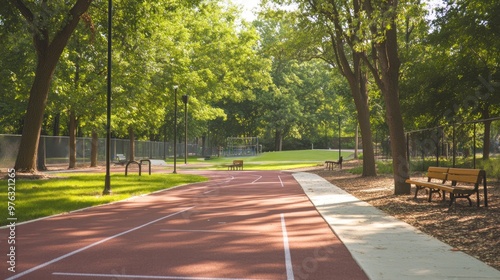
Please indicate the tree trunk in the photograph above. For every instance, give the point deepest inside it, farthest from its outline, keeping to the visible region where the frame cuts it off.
(94, 149)
(48, 53)
(360, 94)
(278, 140)
(72, 139)
(356, 142)
(131, 151)
(28, 148)
(41, 155)
(487, 133)
(55, 128)
(357, 81)
(386, 75)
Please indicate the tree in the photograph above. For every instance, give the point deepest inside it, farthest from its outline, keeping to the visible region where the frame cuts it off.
(369, 29)
(474, 52)
(51, 25)
(338, 46)
(384, 64)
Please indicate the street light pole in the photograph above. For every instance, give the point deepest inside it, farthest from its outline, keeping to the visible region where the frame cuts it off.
(175, 128)
(107, 178)
(185, 98)
(340, 141)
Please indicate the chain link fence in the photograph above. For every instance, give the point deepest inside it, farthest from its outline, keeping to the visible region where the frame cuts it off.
(455, 145)
(55, 149)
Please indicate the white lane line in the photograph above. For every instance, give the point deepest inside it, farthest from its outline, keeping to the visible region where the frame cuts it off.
(282, 185)
(143, 276)
(205, 230)
(256, 179)
(207, 192)
(92, 245)
(288, 257)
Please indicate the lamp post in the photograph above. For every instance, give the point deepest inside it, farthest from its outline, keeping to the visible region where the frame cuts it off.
(340, 141)
(185, 98)
(175, 128)
(107, 179)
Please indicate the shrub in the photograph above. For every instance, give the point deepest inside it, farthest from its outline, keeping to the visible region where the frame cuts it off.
(492, 168)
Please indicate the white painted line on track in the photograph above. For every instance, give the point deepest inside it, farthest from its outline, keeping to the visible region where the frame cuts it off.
(144, 276)
(209, 231)
(282, 185)
(209, 191)
(256, 179)
(93, 244)
(288, 257)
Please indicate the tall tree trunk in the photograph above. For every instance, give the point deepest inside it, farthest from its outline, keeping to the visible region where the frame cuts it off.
(41, 155)
(278, 140)
(485, 114)
(131, 151)
(360, 95)
(342, 43)
(94, 149)
(72, 139)
(56, 128)
(28, 148)
(203, 145)
(357, 80)
(385, 69)
(48, 53)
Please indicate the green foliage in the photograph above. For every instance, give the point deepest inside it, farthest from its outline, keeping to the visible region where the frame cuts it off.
(492, 168)
(383, 167)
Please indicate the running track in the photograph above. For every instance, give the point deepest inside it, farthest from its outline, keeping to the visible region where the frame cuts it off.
(240, 225)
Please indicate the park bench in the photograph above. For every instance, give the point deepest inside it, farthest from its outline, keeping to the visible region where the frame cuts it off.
(329, 164)
(458, 182)
(434, 174)
(237, 165)
(121, 159)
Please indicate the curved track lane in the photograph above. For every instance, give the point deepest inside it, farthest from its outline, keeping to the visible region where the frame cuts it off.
(239, 225)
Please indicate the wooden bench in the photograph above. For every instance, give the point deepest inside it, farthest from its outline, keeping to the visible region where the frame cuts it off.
(237, 165)
(329, 164)
(458, 182)
(434, 174)
(121, 159)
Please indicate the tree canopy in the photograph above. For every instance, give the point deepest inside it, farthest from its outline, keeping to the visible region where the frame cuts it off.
(287, 77)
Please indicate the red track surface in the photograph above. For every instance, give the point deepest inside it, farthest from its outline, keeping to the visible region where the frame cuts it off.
(239, 225)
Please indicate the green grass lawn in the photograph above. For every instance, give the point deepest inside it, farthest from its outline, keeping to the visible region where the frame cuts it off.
(40, 198)
(280, 160)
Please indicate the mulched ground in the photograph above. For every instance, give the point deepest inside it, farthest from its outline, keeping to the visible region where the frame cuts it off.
(468, 229)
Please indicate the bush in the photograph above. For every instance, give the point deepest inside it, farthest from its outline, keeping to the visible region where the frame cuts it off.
(383, 167)
(492, 168)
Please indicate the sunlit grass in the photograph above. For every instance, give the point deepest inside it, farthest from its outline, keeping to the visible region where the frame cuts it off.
(68, 192)
(279, 160)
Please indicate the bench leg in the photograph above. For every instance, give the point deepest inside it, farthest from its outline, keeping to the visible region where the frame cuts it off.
(452, 199)
(417, 188)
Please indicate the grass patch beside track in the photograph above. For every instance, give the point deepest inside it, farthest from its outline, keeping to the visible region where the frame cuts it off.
(69, 192)
(279, 160)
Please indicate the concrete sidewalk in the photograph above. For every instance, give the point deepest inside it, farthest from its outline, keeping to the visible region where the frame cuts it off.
(385, 247)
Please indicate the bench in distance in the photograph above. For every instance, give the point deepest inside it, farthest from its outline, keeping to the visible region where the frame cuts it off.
(330, 163)
(237, 165)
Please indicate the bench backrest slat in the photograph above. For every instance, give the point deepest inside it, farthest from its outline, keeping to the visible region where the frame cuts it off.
(437, 173)
(473, 176)
(237, 162)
